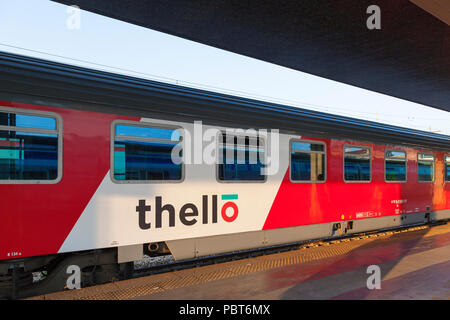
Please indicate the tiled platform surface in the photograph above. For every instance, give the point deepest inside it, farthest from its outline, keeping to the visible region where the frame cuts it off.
(413, 265)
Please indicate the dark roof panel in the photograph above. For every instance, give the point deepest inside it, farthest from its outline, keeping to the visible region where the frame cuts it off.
(408, 58)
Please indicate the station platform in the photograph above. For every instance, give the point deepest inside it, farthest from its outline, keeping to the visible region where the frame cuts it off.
(413, 264)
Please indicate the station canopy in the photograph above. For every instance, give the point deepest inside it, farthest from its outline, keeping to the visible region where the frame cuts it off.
(408, 57)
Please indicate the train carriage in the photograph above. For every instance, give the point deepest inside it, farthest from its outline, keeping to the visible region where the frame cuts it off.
(88, 176)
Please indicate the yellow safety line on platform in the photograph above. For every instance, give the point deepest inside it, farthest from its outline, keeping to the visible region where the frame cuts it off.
(147, 285)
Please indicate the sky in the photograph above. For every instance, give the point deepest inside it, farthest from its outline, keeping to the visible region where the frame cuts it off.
(44, 29)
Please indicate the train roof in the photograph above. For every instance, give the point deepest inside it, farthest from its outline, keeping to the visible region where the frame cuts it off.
(59, 84)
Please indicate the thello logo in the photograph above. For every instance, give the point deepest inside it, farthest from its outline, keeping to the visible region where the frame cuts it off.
(188, 214)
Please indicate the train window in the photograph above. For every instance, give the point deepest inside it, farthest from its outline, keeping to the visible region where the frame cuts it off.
(425, 167)
(241, 158)
(395, 166)
(307, 161)
(447, 168)
(357, 163)
(143, 153)
(29, 145)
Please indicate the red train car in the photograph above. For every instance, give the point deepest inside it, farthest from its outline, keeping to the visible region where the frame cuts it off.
(97, 169)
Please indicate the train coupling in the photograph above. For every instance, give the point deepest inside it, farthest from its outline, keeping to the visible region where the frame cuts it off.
(156, 249)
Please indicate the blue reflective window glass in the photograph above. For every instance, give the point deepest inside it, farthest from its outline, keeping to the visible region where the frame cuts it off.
(425, 167)
(357, 164)
(395, 164)
(307, 161)
(447, 168)
(145, 160)
(241, 159)
(147, 132)
(425, 157)
(28, 156)
(27, 121)
(305, 146)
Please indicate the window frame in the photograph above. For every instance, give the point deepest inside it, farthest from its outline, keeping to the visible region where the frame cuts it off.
(148, 125)
(406, 166)
(343, 163)
(445, 165)
(218, 136)
(316, 152)
(58, 131)
(434, 167)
